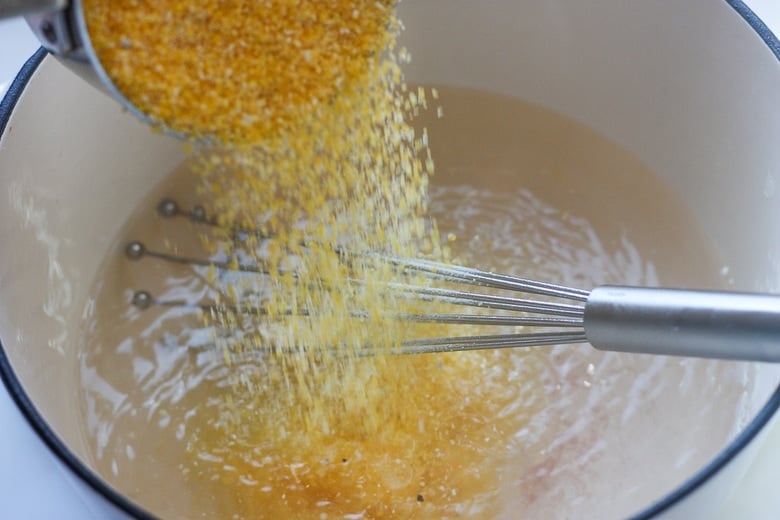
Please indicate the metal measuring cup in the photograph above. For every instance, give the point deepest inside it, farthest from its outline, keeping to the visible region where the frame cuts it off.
(62, 30)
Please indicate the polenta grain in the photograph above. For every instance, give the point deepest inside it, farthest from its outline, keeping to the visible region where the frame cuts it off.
(235, 70)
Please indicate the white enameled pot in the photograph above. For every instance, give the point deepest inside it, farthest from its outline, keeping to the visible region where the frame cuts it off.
(688, 87)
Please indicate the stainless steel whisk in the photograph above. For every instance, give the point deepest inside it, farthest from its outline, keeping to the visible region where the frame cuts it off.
(677, 322)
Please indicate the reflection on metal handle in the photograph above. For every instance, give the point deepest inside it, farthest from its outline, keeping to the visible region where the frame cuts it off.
(10, 8)
(52, 21)
(684, 323)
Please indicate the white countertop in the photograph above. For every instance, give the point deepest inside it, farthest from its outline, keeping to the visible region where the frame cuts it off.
(32, 485)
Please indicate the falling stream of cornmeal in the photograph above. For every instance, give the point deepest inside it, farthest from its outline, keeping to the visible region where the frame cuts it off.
(513, 433)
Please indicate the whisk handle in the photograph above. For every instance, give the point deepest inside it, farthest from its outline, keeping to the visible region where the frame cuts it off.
(710, 324)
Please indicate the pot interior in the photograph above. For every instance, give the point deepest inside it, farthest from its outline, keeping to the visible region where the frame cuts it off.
(659, 88)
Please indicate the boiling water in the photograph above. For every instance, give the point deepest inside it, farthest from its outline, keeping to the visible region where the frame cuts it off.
(540, 432)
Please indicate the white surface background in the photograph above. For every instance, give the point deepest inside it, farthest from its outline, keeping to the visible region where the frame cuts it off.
(32, 485)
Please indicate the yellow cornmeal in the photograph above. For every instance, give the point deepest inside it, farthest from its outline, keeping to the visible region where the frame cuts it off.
(239, 69)
(349, 181)
(318, 169)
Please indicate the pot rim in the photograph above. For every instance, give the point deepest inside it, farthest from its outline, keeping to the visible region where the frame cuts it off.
(69, 459)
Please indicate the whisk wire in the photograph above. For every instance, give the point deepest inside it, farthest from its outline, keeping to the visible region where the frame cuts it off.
(533, 313)
(466, 343)
(471, 276)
